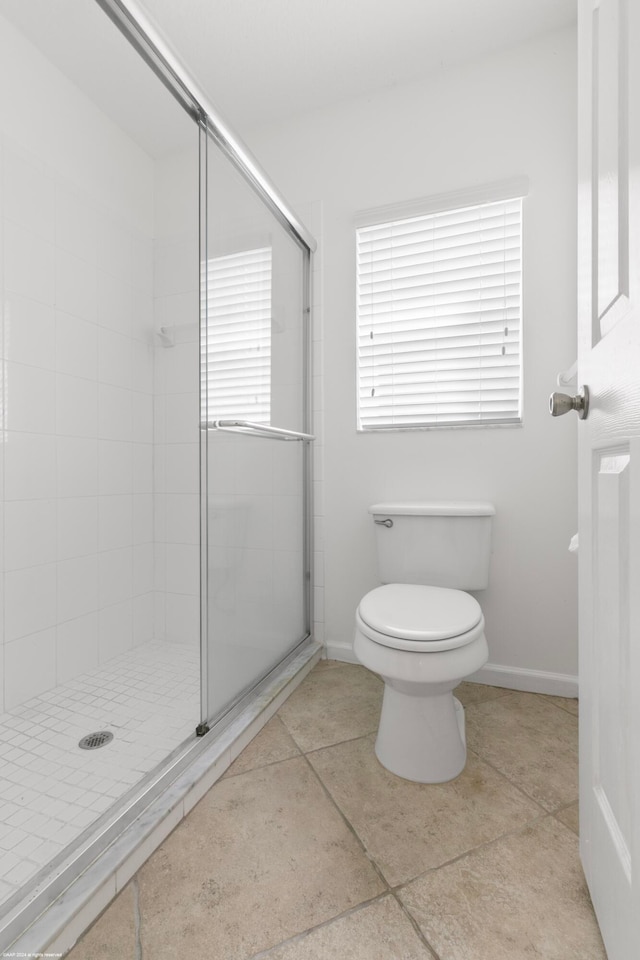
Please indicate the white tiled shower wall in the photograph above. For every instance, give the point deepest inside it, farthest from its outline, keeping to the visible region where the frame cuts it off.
(77, 431)
(76, 477)
(176, 419)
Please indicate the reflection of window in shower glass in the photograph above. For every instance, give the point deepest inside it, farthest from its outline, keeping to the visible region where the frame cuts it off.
(237, 352)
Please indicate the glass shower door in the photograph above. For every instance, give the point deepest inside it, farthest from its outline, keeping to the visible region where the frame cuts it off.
(254, 415)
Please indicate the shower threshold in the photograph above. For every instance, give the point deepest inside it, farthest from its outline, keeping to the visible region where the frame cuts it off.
(66, 896)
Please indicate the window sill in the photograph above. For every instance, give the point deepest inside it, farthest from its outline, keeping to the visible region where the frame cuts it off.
(419, 428)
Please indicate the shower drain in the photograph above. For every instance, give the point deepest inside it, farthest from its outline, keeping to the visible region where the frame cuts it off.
(94, 740)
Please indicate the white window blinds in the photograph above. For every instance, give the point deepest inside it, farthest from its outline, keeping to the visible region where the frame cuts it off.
(236, 354)
(439, 318)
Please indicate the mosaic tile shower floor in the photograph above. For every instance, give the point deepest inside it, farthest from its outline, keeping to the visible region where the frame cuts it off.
(50, 789)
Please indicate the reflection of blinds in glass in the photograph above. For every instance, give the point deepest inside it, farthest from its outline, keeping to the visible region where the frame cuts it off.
(236, 353)
(439, 316)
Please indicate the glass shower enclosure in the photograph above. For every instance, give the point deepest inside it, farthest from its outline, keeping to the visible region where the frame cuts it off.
(254, 427)
(254, 404)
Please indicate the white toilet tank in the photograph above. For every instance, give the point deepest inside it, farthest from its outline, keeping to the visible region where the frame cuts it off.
(438, 543)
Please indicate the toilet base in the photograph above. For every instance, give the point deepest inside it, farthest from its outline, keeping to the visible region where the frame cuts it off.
(421, 738)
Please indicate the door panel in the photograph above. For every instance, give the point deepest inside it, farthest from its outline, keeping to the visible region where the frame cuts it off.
(254, 371)
(611, 771)
(609, 466)
(609, 79)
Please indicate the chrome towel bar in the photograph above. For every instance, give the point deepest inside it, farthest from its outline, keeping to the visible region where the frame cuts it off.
(250, 428)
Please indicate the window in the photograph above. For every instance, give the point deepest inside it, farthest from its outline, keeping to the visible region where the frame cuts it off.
(439, 317)
(236, 356)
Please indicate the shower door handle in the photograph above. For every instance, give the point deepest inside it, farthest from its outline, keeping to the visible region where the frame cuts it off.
(249, 428)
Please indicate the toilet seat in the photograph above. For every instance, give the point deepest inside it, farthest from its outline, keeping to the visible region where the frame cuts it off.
(420, 618)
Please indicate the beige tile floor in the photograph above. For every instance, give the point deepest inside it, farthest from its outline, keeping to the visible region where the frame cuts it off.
(308, 849)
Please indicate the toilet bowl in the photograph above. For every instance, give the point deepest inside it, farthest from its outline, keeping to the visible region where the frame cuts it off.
(423, 639)
(422, 653)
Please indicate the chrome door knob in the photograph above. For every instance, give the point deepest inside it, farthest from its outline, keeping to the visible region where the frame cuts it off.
(561, 403)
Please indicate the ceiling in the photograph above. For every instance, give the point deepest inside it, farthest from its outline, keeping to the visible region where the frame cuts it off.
(265, 61)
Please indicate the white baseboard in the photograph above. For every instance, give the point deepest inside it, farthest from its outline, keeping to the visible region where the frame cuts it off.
(494, 675)
(340, 651)
(532, 681)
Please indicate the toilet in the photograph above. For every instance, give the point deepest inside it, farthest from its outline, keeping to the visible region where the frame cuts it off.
(422, 632)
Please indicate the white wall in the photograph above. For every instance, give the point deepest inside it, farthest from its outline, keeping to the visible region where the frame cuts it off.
(76, 479)
(510, 115)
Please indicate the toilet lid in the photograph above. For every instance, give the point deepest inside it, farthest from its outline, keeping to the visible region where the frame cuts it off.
(416, 612)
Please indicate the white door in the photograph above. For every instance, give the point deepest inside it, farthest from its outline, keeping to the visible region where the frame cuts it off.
(609, 464)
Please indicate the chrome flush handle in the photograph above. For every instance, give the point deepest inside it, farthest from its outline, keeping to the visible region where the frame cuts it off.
(384, 523)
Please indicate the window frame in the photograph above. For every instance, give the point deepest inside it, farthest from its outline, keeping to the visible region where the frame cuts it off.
(516, 188)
